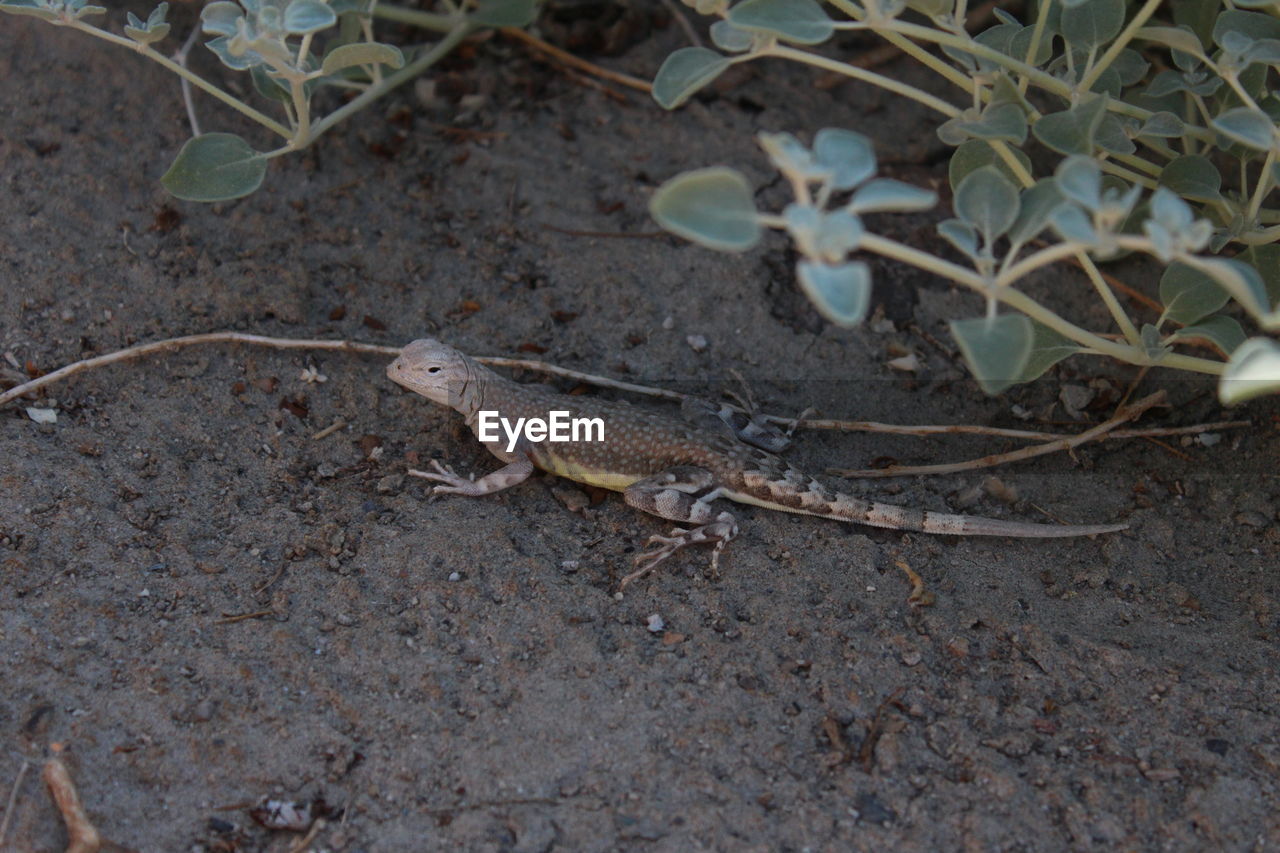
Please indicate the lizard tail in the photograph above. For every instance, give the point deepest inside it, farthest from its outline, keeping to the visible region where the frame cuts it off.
(902, 518)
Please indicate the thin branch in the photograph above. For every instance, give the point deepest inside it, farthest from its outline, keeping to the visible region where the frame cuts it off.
(13, 799)
(1125, 415)
(574, 62)
(82, 837)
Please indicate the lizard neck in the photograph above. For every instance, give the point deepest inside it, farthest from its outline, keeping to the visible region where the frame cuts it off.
(477, 383)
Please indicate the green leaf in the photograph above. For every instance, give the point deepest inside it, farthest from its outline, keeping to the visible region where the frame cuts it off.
(1189, 294)
(1254, 25)
(1047, 349)
(988, 201)
(841, 293)
(931, 8)
(1005, 122)
(997, 350)
(1239, 279)
(308, 16)
(29, 7)
(886, 194)
(504, 13)
(1254, 370)
(1178, 38)
(1192, 176)
(727, 37)
(362, 53)
(1112, 138)
(1163, 125)
(1266, 260)
(1035, 207)
(797, 21)
(685, 72)
(215, 167)
(220, 17)
(147, 35)
(974, 155)
(850, 156)
(1249, 128)
(1072, 131)
(1221, 331)
(712, 207)
(1091, 24)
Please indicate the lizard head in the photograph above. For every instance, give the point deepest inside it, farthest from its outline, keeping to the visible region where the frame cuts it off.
(436, 371)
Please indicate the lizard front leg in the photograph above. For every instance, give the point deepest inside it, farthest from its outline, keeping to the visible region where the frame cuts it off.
(509, 475)
(683, 493)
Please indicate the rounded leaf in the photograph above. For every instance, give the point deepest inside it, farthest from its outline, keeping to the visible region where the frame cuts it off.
(712, 207)
(1192, 176)
(1221, 331)
(1249, 127)
(1188, 294)
(727, 37)
(886, 194)
(362, 53)
(975, 154)
(219, 18)
(1036, 205)
(685, 72)
(215, 167)
(797, 21)
(1254, 370)
(1072, 131)
(1092, 23)
(841, 293)
(147, 35)
(988, 201)
(996, 349)
(850, 156)
(308, 16)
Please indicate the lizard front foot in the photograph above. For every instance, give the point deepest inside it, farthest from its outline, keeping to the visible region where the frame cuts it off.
(452, 483)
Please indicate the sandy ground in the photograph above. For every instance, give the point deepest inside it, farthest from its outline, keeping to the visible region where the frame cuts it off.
(457, 674)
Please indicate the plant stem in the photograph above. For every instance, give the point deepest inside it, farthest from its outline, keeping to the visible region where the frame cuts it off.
(1122, 41)
(195, 80)
(886, 83)
(440, 49)
(424, 20)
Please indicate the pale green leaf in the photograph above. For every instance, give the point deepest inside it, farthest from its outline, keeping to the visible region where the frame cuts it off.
(797, 21)
(841, 293)
(886, 194)
(1246, 126)
(685, 72)
(1253, 25)
(1177, 38)
(215, 167)
(1221, 331)
(1192, 176)
(1254, 370)
(1092, 23)
(848, 155)
(1266, 260)
(1188, 294)
(308, 16)
(361, 53)
(712, 207)
(988, 201)
(1072, 131)
(1047, 349)
(1163, 125)
(974, 155)
(997, 349)
(1035, 207)
(727, 37)
(32, 8)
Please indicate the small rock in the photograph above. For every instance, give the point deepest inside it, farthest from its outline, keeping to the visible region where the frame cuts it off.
(697, 343)
(325, 470)
(655, 624)
(389, 484)
(1074, 398)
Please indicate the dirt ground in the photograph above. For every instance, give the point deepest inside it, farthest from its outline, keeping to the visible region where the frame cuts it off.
(457, 674)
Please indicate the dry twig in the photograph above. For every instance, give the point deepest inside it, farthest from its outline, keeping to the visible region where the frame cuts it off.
(82, 837)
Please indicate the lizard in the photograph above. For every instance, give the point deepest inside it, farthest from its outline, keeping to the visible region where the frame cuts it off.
(662, 465)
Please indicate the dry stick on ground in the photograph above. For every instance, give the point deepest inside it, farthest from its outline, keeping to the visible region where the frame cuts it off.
(81, 835)
(1126, 413)
(574, 62)
(13, 799)
(174, 344)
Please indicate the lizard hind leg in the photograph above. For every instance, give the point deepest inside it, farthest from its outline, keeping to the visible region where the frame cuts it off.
(684, 494)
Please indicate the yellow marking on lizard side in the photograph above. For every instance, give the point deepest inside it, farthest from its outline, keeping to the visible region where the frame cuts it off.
(600, 477)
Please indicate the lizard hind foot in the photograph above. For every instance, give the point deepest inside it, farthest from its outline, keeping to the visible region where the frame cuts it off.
(659, 548)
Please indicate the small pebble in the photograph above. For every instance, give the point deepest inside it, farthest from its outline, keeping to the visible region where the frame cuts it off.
(455, 576)
(655, 624)
(697, 343)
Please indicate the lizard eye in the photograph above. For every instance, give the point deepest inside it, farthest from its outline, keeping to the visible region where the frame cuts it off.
(433, 370)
